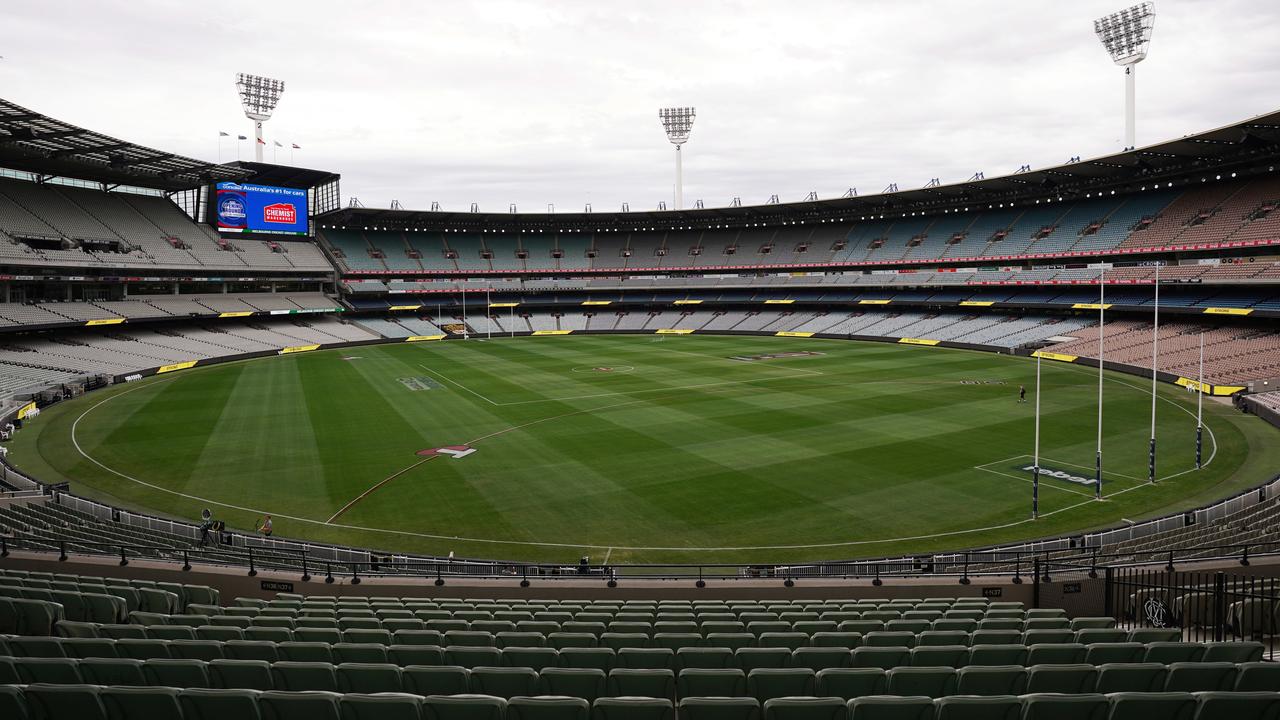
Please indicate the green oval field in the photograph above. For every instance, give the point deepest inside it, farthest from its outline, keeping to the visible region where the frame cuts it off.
(688, 448)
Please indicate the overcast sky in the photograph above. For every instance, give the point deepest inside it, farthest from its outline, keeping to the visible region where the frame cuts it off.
(502, 101)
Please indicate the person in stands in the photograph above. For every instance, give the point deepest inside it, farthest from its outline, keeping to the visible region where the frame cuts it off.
(265, 526)
(206, 524)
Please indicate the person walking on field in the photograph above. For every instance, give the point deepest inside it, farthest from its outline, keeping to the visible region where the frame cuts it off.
(265, 526)
(1022, 393)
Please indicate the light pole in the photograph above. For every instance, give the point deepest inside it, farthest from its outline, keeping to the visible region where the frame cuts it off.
(678, 122)
(258, 96)
(1126, 35)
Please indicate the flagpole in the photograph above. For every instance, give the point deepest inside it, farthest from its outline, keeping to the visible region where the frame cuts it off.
(1155, 351)
(488, 313)
(1102, 305)
(513, 321)
(1200, 404)
(1035, 461)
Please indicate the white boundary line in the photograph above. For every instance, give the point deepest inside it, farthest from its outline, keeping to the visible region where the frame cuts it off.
(530, 543)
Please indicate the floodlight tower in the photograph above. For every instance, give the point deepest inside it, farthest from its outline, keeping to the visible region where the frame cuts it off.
(258, 97)
(678, 122)
(1126, 35)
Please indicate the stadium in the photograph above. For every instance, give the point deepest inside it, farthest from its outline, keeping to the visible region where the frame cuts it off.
(1003, 447)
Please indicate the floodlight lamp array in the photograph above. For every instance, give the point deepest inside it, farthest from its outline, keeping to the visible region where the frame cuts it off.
(1126, 34)
(258, 95)
(678, 122)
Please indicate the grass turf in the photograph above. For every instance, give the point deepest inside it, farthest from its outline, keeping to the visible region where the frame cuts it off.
(676, 454)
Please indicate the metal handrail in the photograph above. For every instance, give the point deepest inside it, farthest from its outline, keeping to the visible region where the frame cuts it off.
(256, 558)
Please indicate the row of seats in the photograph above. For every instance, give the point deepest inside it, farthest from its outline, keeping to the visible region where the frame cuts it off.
(492, 605)
(657, 658)
(618, 640)
(139, 594)
(89, 702)
(1058, 628)
(591, 683)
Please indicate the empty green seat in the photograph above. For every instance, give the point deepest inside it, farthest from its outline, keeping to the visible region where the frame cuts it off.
(632, 708)
(176, 673)
(193, 650)
(709, 682)
(311, 705)
(382, 706)
(324, 635)
(435, 680)
(130, 703)
(766, 683)
(719, 708)
(886, 638)
(1173, 652)
(602, 658)
(535, 658)
(1253, 676)
(1237, 705)
(1200, 676)
(368, 677)
(881, 657)
(991, 680)
(55, 702)
(362, 635)
(1131, 677)
(749, 659)
(849, 683)
(1122, 652)
(142, 649)
(305, 652)
(942, 637)
(241, 674)
(1054, 654)
(995, 637)
(298, 676)
(1062, 678)
(933, 682)
(587, 683)
(561, 640)
(889, 707)
(548, 708)
(977, 707)
(55, 671)
(1151, 706)
(1148, 635)
(998, 655)
(504, 640)
(504, 682)
(47, 647)
(1040, 637)
(847, 640)
(705, 657)
(646, 658)
(1051, 706)
(221, 633)
(955, 656)
(112, 671)
(642, 682)
(819, 658)
(619, 640)
(206, 704)
(1101, 635)
(251, 650)
(1234, 652)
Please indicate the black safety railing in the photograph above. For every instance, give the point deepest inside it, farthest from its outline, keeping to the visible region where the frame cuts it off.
(1019, 567)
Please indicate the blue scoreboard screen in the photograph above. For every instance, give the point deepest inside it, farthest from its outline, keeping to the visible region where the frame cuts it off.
(243, 208)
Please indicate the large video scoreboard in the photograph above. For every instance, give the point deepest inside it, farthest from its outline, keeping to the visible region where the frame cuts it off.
(266, 209)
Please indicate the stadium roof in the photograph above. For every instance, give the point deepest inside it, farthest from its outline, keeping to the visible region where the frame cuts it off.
(40, 144)
(1246, 147)
(284, 175)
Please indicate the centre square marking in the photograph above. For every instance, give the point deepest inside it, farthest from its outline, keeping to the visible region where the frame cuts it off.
(457, 452)
(604, 369)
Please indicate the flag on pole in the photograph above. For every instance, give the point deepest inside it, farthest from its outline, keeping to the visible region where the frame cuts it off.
(241, 137)
(277, 142)
(222, 134)
(296, 146)
(261, 141)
